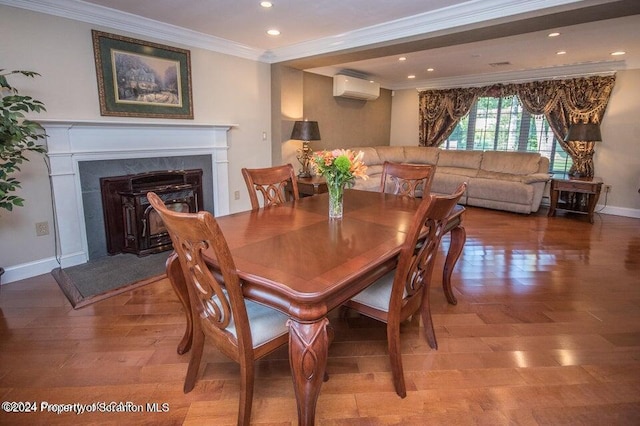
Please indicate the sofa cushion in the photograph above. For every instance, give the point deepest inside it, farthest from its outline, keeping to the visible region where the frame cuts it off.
(447, 183)
(421, 155)
(500, 190)
(374, 169)
(463, 159)
(456, 171)
(393, 154)
(371, 184)
(519, 163)
(370, 155)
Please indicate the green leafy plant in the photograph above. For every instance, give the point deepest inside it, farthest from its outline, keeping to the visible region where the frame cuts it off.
(18, 136)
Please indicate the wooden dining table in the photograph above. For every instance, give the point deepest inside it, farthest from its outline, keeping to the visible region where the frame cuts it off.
(293, 258)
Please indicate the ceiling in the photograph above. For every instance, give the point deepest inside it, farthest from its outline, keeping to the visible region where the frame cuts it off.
(465, 42)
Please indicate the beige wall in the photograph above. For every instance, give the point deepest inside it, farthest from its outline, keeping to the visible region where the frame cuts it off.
(286, 107)
(343, 122)
(226, 90)
(404, 118)
(346, 122)
(617, 158)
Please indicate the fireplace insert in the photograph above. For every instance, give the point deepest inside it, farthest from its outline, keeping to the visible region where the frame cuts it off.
(131, 224)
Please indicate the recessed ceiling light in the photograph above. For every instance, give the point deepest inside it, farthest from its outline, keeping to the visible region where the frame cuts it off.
(273, 32)
(553, 34)
(618, 53)
(430, 70)
(402, 58)
(266, 4)
(562, 52)
(411, 76)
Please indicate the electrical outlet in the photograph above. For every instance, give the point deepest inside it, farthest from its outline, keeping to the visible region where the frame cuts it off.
(607, 188)
(42, 229)
(236, 195)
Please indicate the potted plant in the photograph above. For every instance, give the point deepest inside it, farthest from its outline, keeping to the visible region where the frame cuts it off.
(18, 136)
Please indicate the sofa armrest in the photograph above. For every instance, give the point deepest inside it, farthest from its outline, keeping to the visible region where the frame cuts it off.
(536, 177)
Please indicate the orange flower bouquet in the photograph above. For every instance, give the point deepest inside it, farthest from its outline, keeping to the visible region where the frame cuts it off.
(340, 168)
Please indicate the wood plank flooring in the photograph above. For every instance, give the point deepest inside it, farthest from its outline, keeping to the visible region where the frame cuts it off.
(546, 332)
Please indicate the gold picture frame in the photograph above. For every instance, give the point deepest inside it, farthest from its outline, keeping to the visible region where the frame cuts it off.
(138, 78)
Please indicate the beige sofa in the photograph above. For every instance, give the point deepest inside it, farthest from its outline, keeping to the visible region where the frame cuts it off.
(511, 181)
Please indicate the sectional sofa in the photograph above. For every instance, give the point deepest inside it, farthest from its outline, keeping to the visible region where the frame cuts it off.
(510, 181)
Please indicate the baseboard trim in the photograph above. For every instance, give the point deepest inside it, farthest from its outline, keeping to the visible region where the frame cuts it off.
(28, 270)
(618, 211)
(39, 267)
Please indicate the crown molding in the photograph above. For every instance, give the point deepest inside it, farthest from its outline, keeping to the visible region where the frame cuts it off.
(578, 70)
(472, 12)
(428, 23)
(114, 19)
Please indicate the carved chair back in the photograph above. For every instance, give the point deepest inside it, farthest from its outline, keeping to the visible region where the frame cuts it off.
(274, 183)
(412, 180)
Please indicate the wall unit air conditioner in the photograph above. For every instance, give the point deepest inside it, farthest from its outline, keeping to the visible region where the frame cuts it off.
(355, 88)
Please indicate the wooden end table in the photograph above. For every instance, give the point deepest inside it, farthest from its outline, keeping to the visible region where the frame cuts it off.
(311, 186)
(576, 195)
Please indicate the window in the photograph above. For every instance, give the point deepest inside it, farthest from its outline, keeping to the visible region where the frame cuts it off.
(501, 124)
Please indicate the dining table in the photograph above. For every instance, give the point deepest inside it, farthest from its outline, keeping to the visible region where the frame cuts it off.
(294, 258)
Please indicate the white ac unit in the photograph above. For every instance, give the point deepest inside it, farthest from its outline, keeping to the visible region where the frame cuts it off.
(355, 88)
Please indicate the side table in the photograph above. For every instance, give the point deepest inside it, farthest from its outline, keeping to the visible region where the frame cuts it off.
(311, 186)
(576, 195)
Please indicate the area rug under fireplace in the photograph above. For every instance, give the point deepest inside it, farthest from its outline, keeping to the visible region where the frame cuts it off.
(109, 276)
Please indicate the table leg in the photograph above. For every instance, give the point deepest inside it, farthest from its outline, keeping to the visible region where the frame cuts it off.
(592, 201)
(553, 203)
(308, 352)
(458, 238)
(176, 278)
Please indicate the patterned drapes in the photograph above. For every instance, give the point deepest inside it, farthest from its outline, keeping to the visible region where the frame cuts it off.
(441, 110)
(562, 102)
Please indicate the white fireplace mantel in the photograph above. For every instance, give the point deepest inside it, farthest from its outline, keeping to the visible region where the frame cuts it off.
(73, 141)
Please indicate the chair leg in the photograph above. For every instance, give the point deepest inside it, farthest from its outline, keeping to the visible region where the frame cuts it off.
(196, 355)
(429, 332)
(343, 313)
(246, 392)
(395, 356)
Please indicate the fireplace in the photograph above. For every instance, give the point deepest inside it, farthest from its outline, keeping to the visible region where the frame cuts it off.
(75, 147)
(131, 224)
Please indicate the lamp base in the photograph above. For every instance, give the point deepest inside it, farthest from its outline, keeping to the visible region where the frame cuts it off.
(304, 156)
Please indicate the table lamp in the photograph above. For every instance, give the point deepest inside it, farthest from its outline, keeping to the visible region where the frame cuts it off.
(305, 131)
(582, 137)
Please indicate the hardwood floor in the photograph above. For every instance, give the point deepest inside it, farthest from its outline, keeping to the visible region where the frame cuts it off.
(546, 332)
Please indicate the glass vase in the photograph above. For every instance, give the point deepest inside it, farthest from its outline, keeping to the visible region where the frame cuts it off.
(336, 193)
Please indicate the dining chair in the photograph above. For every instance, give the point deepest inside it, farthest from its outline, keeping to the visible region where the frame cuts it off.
(413, 180)
(403, 292)
(243, 330)
(274, 183)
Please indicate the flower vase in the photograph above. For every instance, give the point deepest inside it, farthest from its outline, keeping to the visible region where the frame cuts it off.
(336, 192)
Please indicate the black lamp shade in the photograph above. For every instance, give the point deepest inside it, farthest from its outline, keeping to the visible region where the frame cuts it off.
(306, 131)
(584, 132)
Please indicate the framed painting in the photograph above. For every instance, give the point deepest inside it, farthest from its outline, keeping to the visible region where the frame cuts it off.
(142, 79)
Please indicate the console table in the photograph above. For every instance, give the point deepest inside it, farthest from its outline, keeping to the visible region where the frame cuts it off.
(576, 195)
